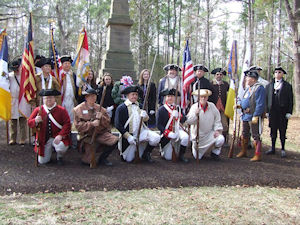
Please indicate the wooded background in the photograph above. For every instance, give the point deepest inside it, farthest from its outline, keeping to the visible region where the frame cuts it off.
(270, 26)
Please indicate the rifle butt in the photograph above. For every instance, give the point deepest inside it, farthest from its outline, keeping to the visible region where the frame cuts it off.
(93, 163)
(174, 157)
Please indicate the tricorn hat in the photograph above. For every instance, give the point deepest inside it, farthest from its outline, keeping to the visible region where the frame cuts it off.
(169, 92)
(66, 58)
(172, 67)
(200, 67)
(130, 89)
(44, 61)
(219, 70)
(14, 65)
(280, 68)
(257, 68)
(253, 74)
(49, 92)
(89, 91)
(203, 92)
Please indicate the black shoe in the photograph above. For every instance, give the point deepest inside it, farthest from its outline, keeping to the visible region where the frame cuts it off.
(147, 157)
(270, 152)
(105, 162)
(60, 162)
(182, 159)
(283, 154)
(214, 157)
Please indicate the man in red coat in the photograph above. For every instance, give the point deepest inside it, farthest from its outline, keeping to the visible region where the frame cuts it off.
(55, 127)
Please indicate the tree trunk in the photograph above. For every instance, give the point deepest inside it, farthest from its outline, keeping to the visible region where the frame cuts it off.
(294, 19)
(174, 30)
(251, 30)
(179, 33)
(270, 51)
(208, 35)
(279, 36)
(139, 59)
(168, 35)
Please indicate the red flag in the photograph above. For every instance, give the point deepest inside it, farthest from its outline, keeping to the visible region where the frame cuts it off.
(187, 75)
(27, 84)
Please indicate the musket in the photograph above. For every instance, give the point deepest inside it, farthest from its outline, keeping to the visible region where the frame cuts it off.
(174, 156)
(37, 139)
(231, 149)
(93, 163)
(145, 104)
(198, 125)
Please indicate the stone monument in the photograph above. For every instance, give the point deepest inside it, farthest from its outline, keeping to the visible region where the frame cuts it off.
(118, 59)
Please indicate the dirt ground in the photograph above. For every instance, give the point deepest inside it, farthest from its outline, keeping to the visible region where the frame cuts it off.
(18, 173)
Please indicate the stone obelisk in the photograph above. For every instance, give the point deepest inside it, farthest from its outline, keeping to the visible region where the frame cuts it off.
(118, 59)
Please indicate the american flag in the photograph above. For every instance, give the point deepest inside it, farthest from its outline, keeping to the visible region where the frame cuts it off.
(187, 75)
(53, 54)
(27, 83)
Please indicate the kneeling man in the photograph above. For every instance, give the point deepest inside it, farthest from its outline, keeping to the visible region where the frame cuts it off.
(127, 120)
(55, 127)
(210, 126)
(168, 122)
(89, 118)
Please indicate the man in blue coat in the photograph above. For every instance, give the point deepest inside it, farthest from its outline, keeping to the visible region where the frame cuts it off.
(253, 106)
(127, 120)
(279, 108)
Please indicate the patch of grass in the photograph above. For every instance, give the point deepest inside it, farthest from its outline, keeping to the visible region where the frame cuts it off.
(207, 205)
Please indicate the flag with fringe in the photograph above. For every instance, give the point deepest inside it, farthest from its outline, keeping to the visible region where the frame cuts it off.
(81, 61)
(5, 96)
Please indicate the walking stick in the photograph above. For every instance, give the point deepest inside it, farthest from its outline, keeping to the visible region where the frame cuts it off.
(7, 133)
(145, 104)
(93, 163)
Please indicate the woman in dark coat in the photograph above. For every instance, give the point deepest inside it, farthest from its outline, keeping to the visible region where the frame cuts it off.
(90, 82)
(150, 107)
(108, 102)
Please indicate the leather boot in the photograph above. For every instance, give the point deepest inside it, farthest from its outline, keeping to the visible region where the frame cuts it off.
(181, 154)
(257, 156)
(283, 153)
(103, 157)
(147, 154)
(243, 152)
(271, 151)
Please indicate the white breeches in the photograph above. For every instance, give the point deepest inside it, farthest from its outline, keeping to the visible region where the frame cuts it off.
(167, 150)
(217, 145)
(146, 136)
(60, 149)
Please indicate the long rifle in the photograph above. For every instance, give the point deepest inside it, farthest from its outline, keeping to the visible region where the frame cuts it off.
(37, 139)
(198, 125)
(174, 156)
(231, 149)
(145, 104)
(93, 156)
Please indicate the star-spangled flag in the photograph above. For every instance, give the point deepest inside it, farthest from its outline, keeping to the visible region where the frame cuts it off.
(54, 56)
(187, 75)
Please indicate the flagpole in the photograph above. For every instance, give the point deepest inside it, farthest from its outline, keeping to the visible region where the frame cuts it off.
(7, 133)
(53, 49)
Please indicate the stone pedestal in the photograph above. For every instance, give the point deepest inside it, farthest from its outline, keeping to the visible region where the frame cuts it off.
(118, 59)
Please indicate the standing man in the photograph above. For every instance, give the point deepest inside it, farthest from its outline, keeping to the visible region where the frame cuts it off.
(253, 106)
(69, 93)
(170, 81)
(55, 127)
(127, 120)
(89, 118)
(14, 81)
(44, 80)
(201, 82)
(210, 126)
(169, 118)
(279, 108)
(221, 88)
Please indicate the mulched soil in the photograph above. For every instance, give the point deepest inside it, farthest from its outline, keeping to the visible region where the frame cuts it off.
(19, 174)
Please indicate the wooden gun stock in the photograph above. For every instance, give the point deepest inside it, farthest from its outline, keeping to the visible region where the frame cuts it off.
(37, 139)
(93, 163)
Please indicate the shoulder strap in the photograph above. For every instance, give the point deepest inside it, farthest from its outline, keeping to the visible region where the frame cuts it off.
(52, 118)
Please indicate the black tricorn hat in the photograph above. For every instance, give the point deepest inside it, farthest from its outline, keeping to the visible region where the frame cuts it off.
(172, 67)
(37, 60)
(14, 65)
(253, 74)
(280, 68)
(44, 61)
(89, 91)
(219, 70)
(169, 92)
(200, 67)
(49, 92)
(66, 58)
(130, 89)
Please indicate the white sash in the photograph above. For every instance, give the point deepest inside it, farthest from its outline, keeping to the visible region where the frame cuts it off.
(171, 118)
(49, 83)
(52, 118)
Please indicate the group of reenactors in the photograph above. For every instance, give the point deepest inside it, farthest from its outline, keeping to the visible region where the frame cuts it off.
(58, 118)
